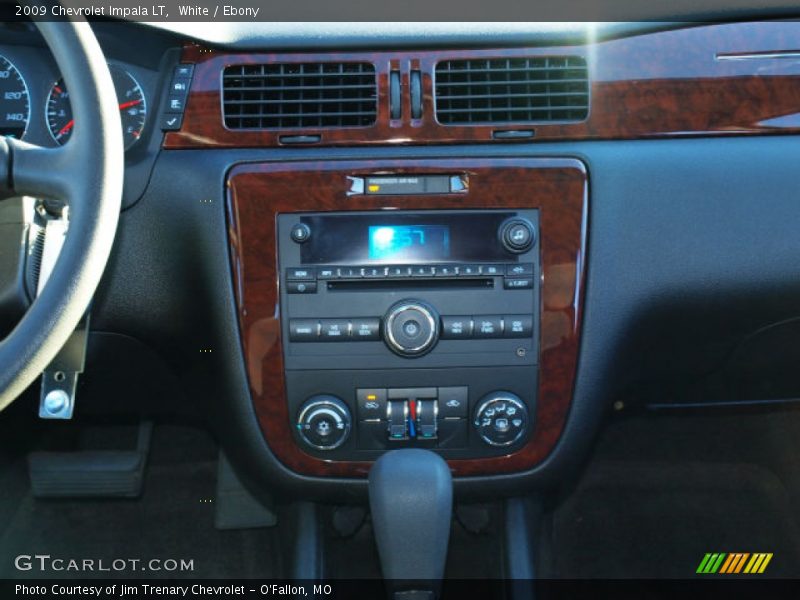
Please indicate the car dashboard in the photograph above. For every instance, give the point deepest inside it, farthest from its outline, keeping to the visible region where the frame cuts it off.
(333, 253)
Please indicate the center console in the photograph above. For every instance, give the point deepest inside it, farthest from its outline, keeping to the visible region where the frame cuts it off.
(431, 304)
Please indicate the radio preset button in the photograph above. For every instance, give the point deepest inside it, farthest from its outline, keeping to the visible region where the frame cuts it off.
(423, 271)
(492, 270)
(469, 270)
(374, 272)
(456, 328)
(398, 272)
(518, 326)
(303, 330)
(334, 330)
(350, 272)
(301, 287)
(300, 274)
(366, 330)
(446, 271)
(488, 326)
(518, 283)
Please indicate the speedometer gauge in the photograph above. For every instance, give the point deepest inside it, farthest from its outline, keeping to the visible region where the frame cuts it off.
(132, 108)
(14, 106)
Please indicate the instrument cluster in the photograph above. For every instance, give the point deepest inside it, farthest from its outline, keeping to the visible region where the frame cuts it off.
(35, 100)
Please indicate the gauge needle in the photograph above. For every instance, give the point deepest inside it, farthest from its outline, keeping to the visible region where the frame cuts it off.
(125, 105)
(69, 125)
(65, 128)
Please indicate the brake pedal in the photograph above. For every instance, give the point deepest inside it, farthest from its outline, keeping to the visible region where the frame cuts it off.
(91, 473)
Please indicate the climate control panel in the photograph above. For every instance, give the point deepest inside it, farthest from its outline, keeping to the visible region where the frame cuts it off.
(462, 419)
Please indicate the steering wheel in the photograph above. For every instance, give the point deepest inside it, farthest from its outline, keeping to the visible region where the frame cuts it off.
(86, 173)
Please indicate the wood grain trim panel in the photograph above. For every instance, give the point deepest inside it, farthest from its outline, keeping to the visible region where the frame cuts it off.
(258, 192)
(657, 85)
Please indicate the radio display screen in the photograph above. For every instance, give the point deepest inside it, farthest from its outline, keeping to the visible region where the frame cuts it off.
(403, 243)
(403, 237)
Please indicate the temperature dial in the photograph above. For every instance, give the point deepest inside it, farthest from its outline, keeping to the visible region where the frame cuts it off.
(324, 422)
(501, 419)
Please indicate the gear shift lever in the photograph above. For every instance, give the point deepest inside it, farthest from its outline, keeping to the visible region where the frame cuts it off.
(411, 498)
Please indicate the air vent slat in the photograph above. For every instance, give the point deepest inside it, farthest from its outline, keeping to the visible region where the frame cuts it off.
(299, 95)
(516, 90)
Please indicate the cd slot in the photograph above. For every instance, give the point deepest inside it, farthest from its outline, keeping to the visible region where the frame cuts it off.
(411, 284)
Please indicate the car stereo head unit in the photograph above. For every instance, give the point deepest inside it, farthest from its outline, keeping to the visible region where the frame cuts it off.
(409, 315)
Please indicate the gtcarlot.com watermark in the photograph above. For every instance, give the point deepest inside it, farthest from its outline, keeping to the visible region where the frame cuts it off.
(45, 563)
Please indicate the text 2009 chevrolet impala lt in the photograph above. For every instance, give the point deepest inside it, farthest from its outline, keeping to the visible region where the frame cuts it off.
(443, 310)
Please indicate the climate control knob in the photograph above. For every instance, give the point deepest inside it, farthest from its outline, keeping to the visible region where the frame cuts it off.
(501, 419)
(324, 422)
(411, 328)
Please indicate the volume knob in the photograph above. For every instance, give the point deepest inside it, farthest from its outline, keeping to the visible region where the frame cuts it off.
(411, 328)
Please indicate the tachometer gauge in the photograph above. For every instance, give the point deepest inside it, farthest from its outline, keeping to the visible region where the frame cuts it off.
(14, 106)
(132, 108)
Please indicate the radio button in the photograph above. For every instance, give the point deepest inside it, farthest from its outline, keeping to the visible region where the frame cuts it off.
(334, 330)
(303, 330)
(469, 270)
(350, 272)
(371, 404)
(446, 271)
(453, 402)
(488, 326)
(299, 274)
(366, 330)
(411, 328)
(374, 272)
(398, 271)
(520, 269)
(456, 328)
(327, 273)
(423, 271)
(301, 287)
(518, 326)
(300, 233)
(518, 283)
(492, 270)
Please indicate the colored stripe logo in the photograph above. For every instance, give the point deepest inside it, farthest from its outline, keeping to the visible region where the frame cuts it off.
(734, 563)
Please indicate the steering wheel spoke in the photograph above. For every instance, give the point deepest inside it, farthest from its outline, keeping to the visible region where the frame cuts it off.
(40, 172)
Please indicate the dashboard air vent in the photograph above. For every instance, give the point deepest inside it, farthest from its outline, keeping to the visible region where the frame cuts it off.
(514, 90)
(299, 95)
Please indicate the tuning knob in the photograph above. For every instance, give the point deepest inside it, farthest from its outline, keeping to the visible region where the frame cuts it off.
(501, 418)
(324, 422)
(411, 328)
(517, 235)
